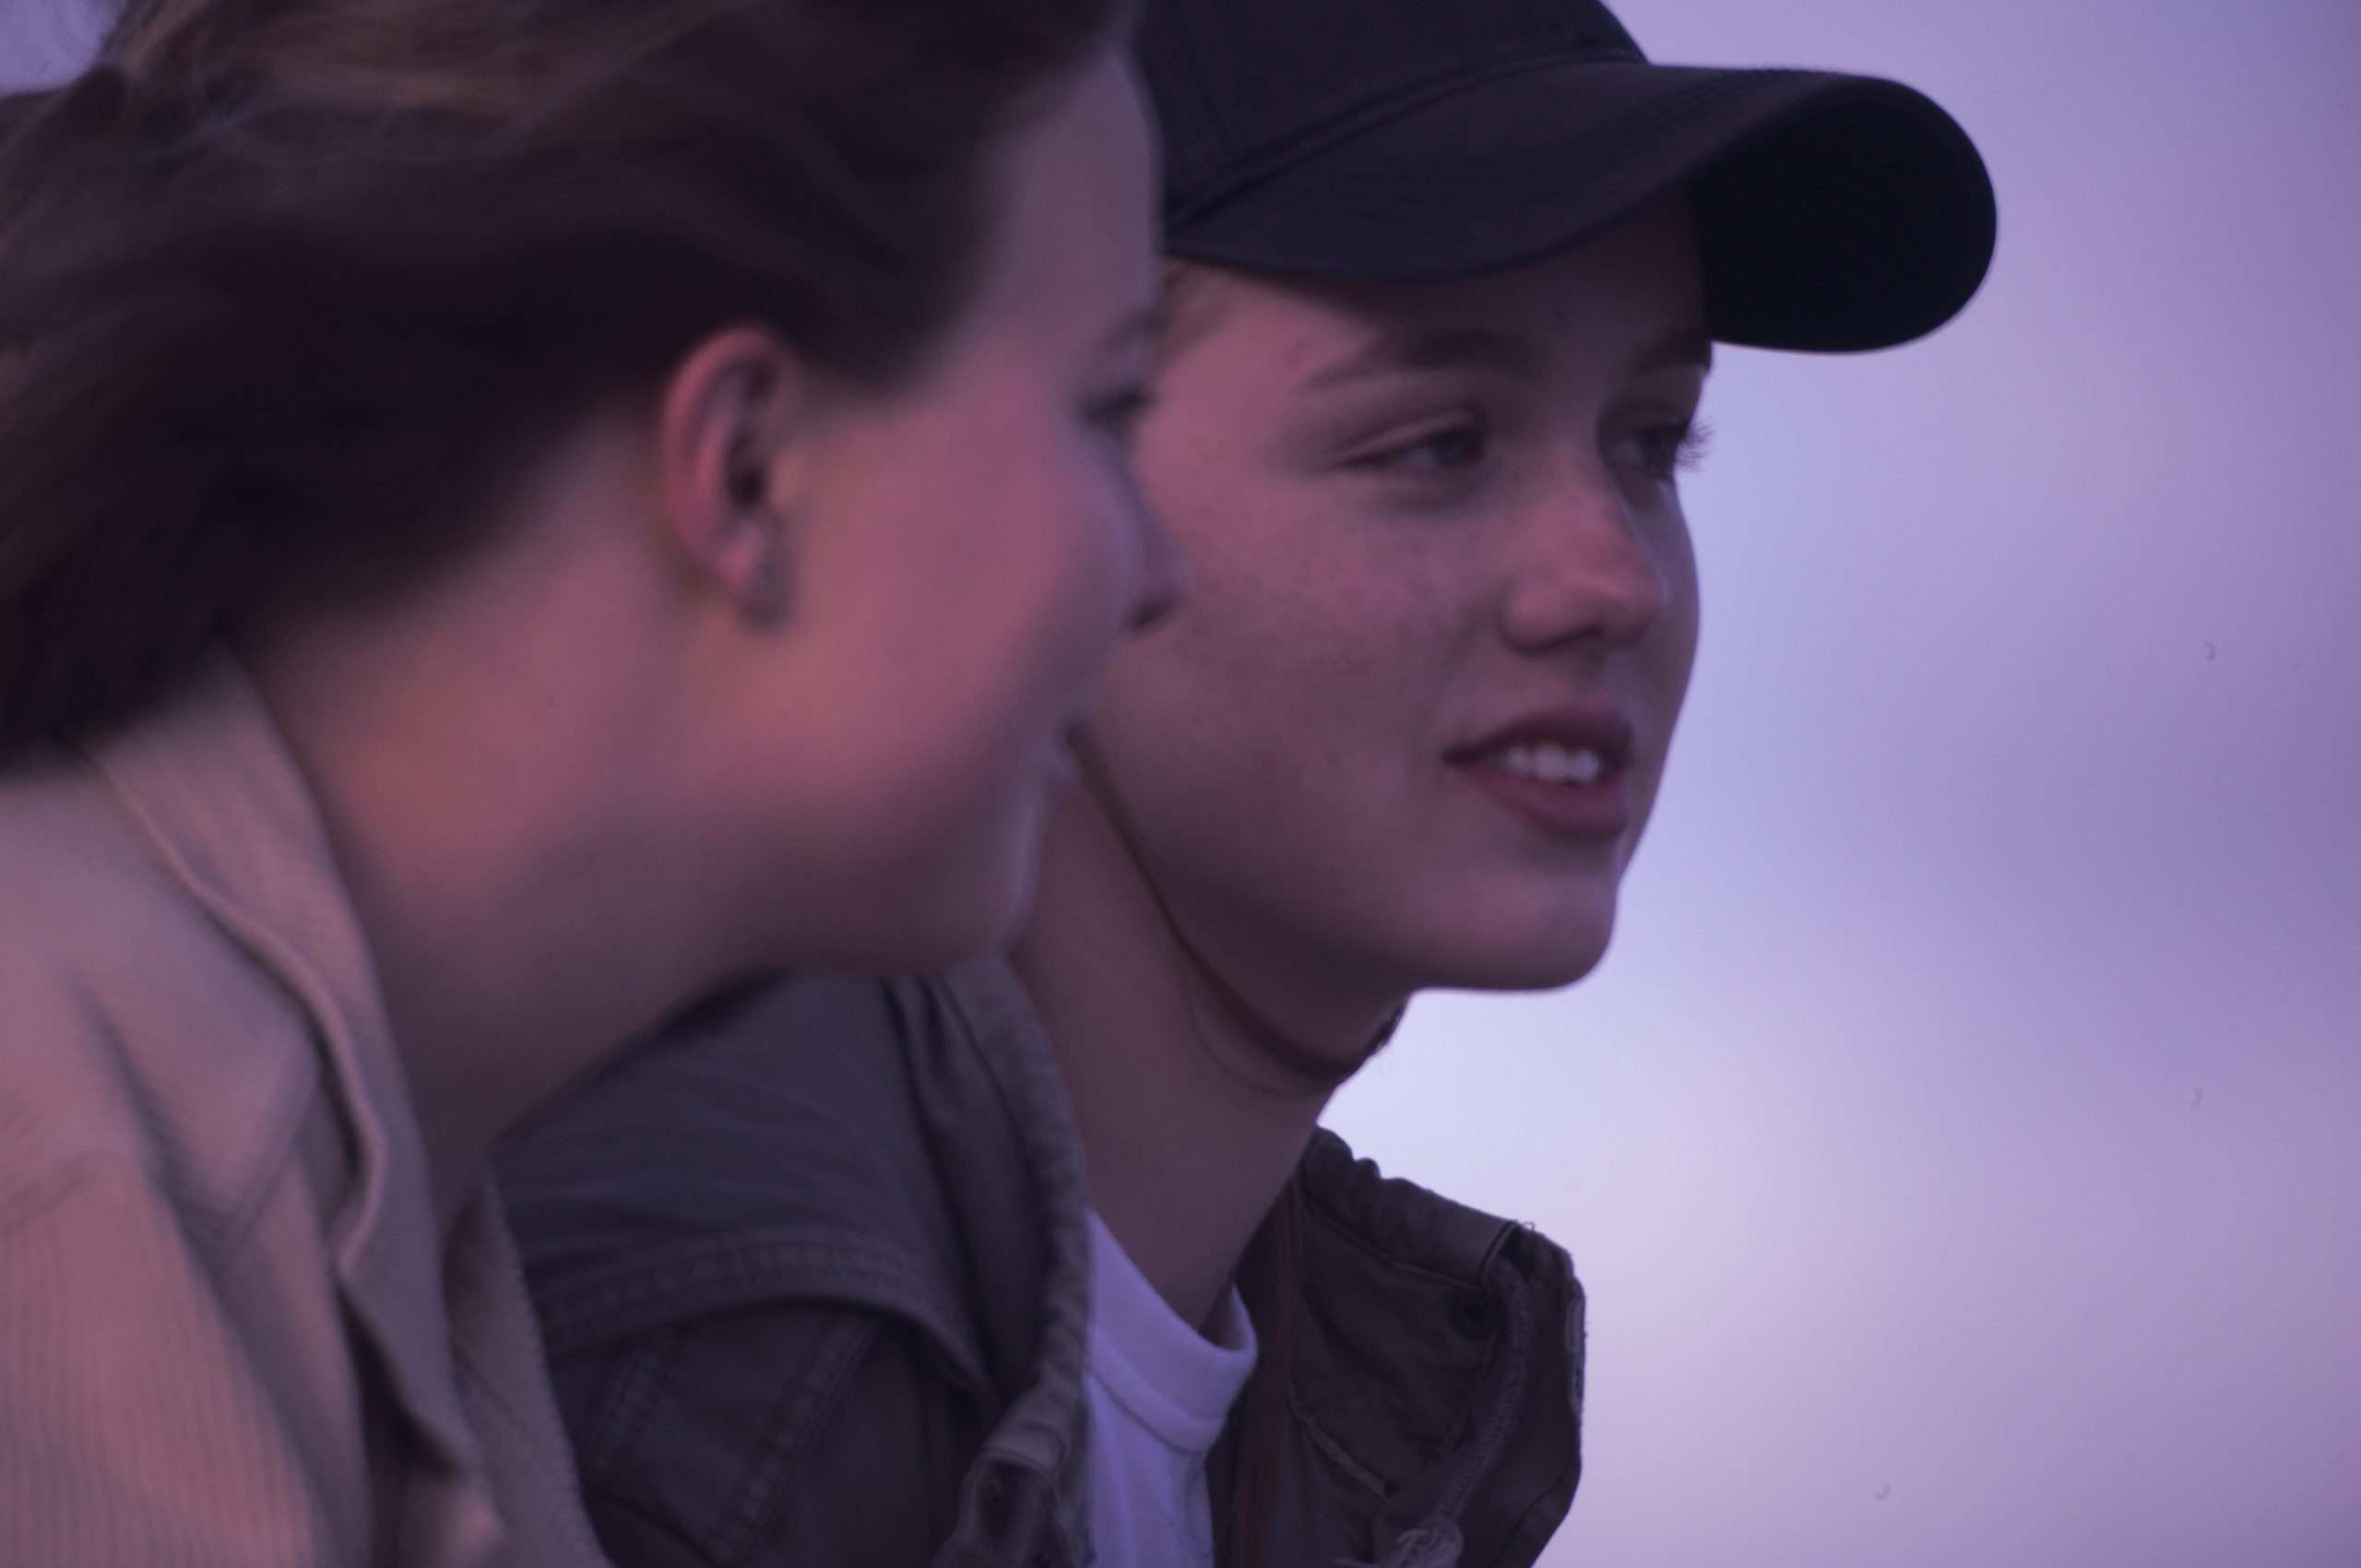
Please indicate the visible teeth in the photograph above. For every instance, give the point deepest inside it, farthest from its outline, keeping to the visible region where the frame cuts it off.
(1552, 764)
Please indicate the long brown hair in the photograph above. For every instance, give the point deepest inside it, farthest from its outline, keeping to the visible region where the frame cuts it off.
(290, 288)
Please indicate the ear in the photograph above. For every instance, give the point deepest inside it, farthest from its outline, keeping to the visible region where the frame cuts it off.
(733, 455)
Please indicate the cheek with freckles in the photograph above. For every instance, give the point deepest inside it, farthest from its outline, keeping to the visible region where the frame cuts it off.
(1279, 745)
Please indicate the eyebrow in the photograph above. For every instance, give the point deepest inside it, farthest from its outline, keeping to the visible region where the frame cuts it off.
(1686, 347)
(1482, 349)
(1454, 349)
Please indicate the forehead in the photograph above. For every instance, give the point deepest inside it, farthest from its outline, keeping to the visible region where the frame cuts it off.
(1077, 218)
(1635, 287)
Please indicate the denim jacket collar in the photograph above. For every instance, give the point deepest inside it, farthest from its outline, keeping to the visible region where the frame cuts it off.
(902, 1153)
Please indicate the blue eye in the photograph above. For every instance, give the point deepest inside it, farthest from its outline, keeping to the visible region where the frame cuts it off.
(1460, 446)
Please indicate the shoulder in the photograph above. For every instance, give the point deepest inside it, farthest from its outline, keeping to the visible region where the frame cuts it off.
(789, 1263)
(158, 1408)
(140, 1036)
(799, 1431)
(1438, 1350)
(160, 1250)
(1403, 1228)
(767, 1145)
(894, 1145)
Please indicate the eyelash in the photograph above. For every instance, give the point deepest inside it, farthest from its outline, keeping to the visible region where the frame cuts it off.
(1667, 450)
(1677, 449)
(1120, 414)
(1397, 458)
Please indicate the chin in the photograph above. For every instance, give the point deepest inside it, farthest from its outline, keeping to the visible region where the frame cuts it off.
(1540, 954)
(982, 915)
(989, 910)
(1523, 971)
(928, 910)
(932, 931)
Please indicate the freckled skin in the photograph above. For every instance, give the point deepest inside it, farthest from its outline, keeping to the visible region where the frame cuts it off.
(1386, 567)
(1362, 605)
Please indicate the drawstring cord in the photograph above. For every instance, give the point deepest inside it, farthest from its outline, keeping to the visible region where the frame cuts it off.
(1436, 1541)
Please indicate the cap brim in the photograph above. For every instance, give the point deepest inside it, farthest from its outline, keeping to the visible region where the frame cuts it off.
(1834, 212)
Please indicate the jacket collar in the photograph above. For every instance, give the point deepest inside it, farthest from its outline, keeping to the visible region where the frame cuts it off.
(208, 780)
(1437, 1370)
(1437, 1361)
(901, 1147)
(1041, 1430)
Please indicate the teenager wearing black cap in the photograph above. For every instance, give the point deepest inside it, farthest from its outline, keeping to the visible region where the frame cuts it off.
(823, 1276)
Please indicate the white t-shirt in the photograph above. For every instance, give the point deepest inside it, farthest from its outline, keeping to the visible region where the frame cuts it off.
(1160, 1392)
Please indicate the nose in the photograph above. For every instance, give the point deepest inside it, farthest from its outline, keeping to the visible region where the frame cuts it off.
(1164, 574)
(1590, 574)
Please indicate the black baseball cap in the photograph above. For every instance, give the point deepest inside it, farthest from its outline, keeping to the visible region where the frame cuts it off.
(1433, 138)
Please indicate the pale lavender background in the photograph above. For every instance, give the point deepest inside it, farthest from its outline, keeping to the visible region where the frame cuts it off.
(40, 39)
(1963, 1144)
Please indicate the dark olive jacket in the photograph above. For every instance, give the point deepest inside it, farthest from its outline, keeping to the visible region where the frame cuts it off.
(813, 1273)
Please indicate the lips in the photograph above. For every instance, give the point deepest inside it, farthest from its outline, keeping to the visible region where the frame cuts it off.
(1560, 770)
(1569, 727)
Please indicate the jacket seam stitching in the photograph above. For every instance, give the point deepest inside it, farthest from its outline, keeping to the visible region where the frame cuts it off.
(641, 1293)
(812, 1396)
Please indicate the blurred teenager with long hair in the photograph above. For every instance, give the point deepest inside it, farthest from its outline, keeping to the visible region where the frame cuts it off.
(1059, 1267)
(513, 514)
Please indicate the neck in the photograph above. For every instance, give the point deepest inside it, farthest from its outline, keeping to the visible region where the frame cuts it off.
(507, 981)
(528, 906)
(1191, 1126)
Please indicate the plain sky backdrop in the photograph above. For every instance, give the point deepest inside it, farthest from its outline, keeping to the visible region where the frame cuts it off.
(1963, 1143)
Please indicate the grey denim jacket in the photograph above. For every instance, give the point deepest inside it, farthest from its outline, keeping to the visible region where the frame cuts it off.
(814, 1274)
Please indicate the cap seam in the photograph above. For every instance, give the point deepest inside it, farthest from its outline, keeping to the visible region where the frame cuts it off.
(1527, 179)
(1252, 171)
